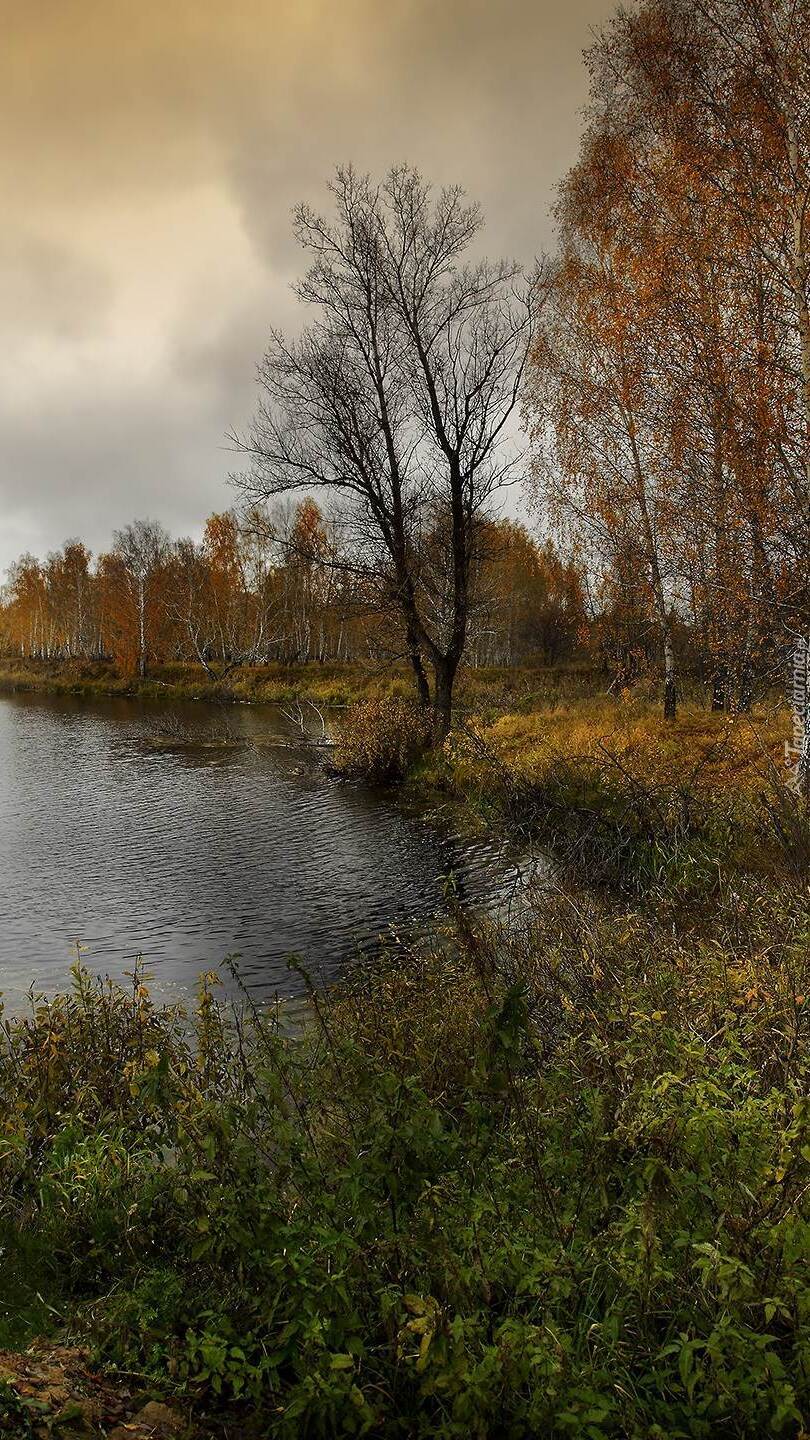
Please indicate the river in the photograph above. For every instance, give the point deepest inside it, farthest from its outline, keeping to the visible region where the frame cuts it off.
(128, 828)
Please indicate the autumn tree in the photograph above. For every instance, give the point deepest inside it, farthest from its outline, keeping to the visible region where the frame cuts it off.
(595, 406)
(69, 587)
(718, 92)
(223, 592)
(621, 631)
(681, 280)
(527, 602)
(27, 606)
(306, 579)
(745, 67)
(131, 576)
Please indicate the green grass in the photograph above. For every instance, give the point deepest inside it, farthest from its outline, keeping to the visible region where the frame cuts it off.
(552, 1182)
(28, 1291)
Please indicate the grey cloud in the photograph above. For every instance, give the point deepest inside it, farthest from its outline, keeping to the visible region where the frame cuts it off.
(48, 288)
(95, 466)
(109, 106)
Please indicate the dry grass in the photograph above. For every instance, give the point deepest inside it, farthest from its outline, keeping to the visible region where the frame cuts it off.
(713, 753)
(327, 684)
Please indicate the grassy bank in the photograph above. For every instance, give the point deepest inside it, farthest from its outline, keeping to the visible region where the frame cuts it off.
(551, 1183)
(325, 684)
(627, 798)
(641, 804)
(621, 797)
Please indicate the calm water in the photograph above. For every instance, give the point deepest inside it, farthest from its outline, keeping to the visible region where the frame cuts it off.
(113, 837)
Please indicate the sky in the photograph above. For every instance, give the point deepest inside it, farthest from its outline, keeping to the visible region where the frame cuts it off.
(151, 152)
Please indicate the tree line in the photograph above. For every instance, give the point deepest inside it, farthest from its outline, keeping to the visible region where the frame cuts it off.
(272, 583)
(659, 363)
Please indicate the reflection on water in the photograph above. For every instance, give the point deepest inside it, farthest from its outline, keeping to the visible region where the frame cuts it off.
(188, 855)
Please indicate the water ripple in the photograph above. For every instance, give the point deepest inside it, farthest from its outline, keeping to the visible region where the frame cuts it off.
(187, 855)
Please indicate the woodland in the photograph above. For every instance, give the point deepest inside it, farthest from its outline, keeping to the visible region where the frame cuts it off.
(543, 534)
(459, 462)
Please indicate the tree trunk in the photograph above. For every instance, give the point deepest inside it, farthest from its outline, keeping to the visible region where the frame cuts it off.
(422, 685)
(801, 711)
(745, 670)
(670, 689)
(719, 687)
(798, 276)
(444, 672)
(415, 657)
(656, 578)
(142, 632)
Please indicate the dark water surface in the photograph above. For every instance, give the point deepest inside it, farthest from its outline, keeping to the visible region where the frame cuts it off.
(131, 841)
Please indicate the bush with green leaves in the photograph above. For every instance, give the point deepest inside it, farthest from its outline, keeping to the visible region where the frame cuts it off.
(554, 1183)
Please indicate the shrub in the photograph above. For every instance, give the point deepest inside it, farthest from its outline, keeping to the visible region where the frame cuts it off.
(381, 738)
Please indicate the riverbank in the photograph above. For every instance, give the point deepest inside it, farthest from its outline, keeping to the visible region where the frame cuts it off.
(189, 832)
(624, 799)
(603, 780)
(620, 796)
(327, 684)
(549, 1182)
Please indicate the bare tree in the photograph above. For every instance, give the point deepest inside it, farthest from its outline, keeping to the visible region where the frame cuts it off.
(399, 395)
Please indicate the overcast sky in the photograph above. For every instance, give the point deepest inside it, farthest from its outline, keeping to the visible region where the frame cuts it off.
(152, 152)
